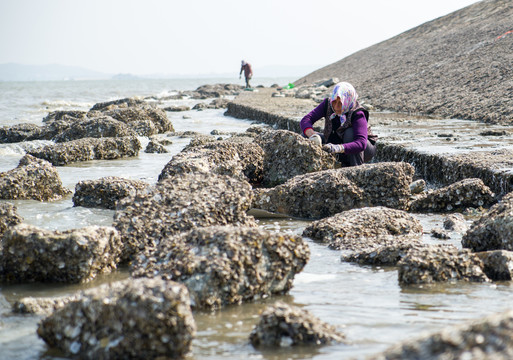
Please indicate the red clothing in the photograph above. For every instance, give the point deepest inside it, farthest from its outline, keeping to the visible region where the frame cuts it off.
(248, 72)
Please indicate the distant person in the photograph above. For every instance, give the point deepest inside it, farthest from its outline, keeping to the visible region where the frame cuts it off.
(346, 130)
(248, 72)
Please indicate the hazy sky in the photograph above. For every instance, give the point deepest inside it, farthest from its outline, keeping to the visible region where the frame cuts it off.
(202, 36)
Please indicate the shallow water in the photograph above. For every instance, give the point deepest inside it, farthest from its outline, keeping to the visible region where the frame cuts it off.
(366, 303)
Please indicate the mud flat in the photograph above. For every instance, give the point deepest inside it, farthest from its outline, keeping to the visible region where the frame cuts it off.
(441, 150)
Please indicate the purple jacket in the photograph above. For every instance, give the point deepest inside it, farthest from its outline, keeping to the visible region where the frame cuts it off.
(359, 125)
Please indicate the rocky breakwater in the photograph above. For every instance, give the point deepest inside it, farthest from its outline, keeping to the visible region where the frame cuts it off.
(139, 319)
(34, 179)
(225, 265)
(31, 254)
(179, 204)
(326, 193)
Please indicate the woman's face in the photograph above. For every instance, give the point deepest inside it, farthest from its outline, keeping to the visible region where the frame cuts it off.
(337, 105)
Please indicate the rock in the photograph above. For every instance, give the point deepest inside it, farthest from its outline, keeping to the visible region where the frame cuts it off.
(89, 149)
(32, 179)
(225, 265)
(455, 222)
(440, 263)
(462, 194)
(440, 233)
(155, 147)
(283, 325)
(485, 338)
(326, 193)
(181, 203)
(144, 120)
(64, 114)
(177, 108)
(288, 154)
(116, 104)
(131, 319)
(218, 104)
(31, 254)
(200, 106)
(105, 192)
(418, 187)
(363, 223)
(383, 250)
(327, 83)
(497, 264)
(216, 90)
(241, 160)
(19, 133)
(41, 306)
(8, 217)
(99, 127)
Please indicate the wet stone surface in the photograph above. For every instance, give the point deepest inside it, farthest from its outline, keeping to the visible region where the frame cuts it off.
(283, 325)
(34, 179)
(31, 254)
(105, 192)
(181, 203)
(225, 265)
(362, 223)
(440, 263)
(8, 217)
(497, 264)
(141, 318)
(326, 193)
(42, 306)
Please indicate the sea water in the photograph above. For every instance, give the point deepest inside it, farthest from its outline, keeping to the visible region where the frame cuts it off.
(364, 302)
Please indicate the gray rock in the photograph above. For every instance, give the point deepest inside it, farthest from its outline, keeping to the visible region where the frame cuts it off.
(497, 264)
(418, 187)
(382, 250)
(493, 230)
(363, 223)
(105, 192)
(31, 254)
(177, 108)
(89, 149)
(116, 104)
(20, 132)
(225, 265)
(154, 147)
(440, 233)
(8, 217)
(144, 120)
(282, 324)
(455, 222)
(99, 127)
(32, 179)
(460, 195)
(288, 154)
(181, 203)
(64, 114)
(241, 160)
(440, 263)
(42, 306)
(485, 338)
(326, 193)
(328, 82)
(131, 319)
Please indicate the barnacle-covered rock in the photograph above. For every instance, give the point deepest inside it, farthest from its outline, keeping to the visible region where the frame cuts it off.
(242, 160)
(181, 203)
(105, 192)
(363, 223)
(8, 217)
(20, 132)
(439, 233)
(485, 338)
(145, 120)
(460, 195)
(99, 127)
(34, 179)
(497, 264)
(118, 104)
(155, 147)
(224, 265)
(493, 230)
(455, 222)
(130, 319)
(418, 187)
(288, 154)
(30, 254)
(89, 149)
(382, 250)
(283, 324)
(326, 193)
(42, 306)
(440, 263)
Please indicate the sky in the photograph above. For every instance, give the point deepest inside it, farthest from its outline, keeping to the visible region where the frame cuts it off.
(144, 37)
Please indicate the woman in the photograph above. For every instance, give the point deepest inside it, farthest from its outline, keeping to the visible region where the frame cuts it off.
(346, 129)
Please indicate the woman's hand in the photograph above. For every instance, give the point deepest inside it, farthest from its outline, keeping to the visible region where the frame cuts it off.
(333, 148)
(309, 132)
